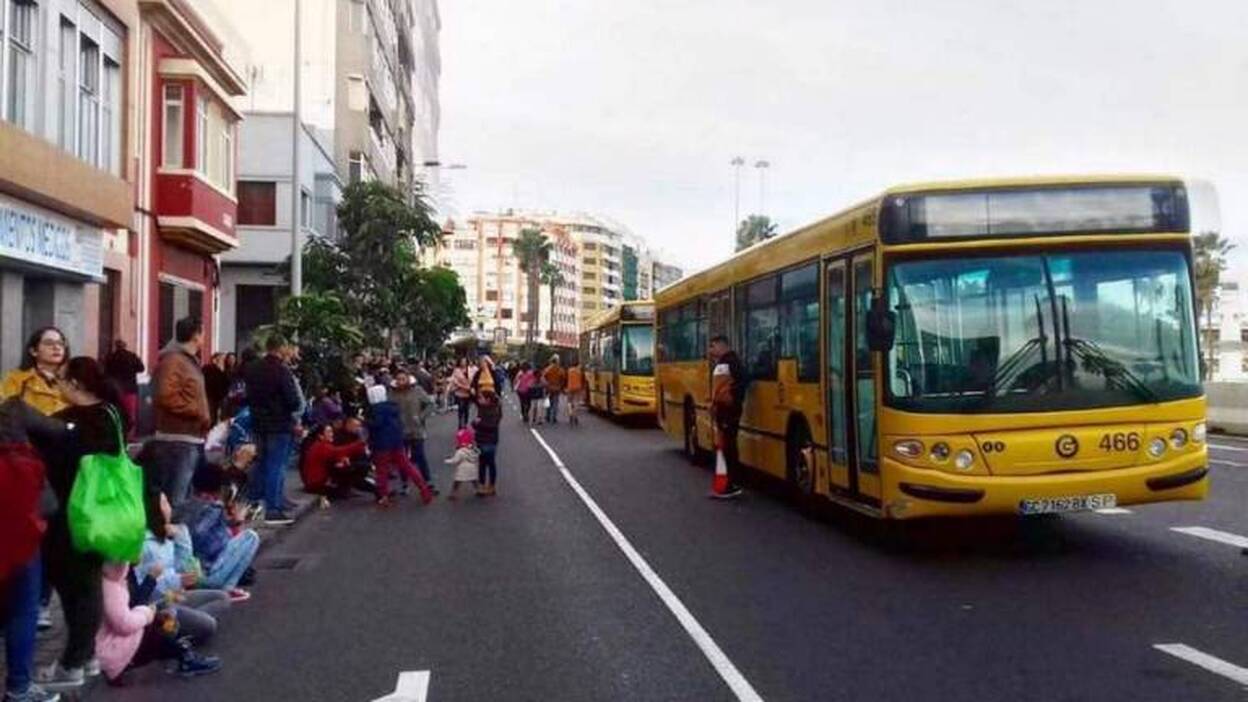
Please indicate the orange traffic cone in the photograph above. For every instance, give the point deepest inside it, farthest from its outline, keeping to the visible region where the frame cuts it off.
(720, 487)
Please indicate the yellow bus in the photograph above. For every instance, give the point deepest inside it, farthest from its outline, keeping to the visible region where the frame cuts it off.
(617, 355)
(1018, 346)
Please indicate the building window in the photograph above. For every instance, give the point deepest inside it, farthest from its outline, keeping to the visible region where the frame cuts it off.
(88, 100)
(173, 127)
(23, 28)
(257, 203)
(201, 135)
(110, 118)
(67, 54)
(256, 307)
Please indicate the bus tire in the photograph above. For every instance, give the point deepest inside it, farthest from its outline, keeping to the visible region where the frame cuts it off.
(799, 460)
(692, 451)
(610, 402)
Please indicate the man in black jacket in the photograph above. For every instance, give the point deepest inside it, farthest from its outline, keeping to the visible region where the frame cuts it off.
(274, 400)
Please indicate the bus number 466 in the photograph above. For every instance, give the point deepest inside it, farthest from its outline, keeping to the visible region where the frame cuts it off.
(1120, 442)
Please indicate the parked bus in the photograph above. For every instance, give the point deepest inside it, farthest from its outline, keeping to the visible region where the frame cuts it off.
(618, 351)
(1015, 346)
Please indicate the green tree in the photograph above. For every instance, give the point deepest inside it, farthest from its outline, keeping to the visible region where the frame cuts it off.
(754, 229)
(553, 278)
(1209, 251)
(532, 248)
(439, 307)
(322, 327)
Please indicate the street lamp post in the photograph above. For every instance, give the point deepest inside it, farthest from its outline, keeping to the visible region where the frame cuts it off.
(296, 244)
(737, 162)
(762, 166)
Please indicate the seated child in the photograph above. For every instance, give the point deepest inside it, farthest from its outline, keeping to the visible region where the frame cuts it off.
(328, 469)
(224, 556)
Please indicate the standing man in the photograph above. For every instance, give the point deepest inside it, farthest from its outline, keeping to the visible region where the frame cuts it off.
(415, 406)
(555, 378)
(728, 384)
(182, 415)
(123, 366)
(274, 400)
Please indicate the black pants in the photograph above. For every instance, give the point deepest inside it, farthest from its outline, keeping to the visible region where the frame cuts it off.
(728, 433)
(464, 403)
(525, 403)
(76, 578)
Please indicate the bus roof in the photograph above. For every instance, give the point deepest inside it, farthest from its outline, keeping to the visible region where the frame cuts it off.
(856, 224)
(612, 314)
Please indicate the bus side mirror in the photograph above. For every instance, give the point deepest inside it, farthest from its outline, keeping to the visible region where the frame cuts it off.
(881, 325)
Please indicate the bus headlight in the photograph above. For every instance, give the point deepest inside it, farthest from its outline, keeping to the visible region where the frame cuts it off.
(1198, 433)
(1156, 447)
(940, 452)
(908, 448)
(964, 460)
(1178, 438)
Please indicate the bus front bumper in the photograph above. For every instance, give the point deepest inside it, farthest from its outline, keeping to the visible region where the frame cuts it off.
(911, 493)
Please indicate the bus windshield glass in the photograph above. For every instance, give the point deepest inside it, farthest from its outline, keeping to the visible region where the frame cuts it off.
(1035, 211)
(1042, 332)
(638, 356)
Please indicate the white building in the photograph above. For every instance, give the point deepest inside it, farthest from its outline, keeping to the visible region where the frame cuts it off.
(1230, 330)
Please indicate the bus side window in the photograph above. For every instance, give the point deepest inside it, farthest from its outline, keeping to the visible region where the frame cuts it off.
(761, 330)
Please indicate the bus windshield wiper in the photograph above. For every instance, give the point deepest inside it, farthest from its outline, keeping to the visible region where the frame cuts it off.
(1114, 371)
(1013, 365)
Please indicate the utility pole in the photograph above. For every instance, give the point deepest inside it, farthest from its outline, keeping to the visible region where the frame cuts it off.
(296, 226)
(762, 167)
(737, 162)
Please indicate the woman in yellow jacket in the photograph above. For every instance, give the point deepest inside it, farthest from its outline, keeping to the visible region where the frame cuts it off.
(35, 380)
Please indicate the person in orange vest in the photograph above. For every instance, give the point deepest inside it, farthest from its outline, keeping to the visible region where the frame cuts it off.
(728, 384)
(575, 391)
(554, 378)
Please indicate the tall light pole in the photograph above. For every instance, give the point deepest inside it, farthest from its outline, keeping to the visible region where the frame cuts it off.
(737, 162)
(762, 167)
(296, 226)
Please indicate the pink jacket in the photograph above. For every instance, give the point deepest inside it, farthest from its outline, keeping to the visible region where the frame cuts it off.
(122, 629)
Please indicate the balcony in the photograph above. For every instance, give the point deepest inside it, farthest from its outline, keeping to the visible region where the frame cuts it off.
(195, 213)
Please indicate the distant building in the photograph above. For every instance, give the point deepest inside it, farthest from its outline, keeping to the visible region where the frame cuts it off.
(666, 274)
(1228, 325)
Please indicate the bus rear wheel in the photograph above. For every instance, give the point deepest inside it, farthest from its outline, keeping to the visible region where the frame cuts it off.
(800, 457)
(693, 452)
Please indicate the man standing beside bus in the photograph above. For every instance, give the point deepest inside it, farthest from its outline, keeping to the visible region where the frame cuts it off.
(729, 382)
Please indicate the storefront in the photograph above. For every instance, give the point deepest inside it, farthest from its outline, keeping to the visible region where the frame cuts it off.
(47, 261)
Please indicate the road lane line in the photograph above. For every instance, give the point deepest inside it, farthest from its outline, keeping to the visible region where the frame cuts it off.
(1206, 661)
(1233, 464)
(1113, 510)
(725, 667)
(1222, 537)
(412, 686)
(1224, 447)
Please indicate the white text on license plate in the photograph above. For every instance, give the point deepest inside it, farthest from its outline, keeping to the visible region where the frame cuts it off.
(1077, 503)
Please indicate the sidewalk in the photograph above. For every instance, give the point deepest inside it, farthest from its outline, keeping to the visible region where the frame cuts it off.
(51, 642)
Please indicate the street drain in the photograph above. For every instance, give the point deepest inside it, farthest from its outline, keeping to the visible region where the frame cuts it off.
(278, 563)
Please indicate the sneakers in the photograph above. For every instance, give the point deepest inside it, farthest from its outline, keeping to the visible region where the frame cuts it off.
(92, 668)
(195, 664)
(34, 693)
(254, 512)
(278, 519)
(238, 595)
(56, 678)
(45, 618)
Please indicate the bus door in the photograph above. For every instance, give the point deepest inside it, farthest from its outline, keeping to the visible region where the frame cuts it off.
(851, 435)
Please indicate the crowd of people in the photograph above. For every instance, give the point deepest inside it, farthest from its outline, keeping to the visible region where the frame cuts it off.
(214, 462)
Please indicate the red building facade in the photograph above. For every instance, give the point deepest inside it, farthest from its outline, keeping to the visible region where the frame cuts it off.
(186, 201)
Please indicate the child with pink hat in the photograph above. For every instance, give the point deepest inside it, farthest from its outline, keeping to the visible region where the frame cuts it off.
(466, 459)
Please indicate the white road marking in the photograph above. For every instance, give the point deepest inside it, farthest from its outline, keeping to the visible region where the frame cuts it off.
(412, 686)
(1113, 510)
(1206, 661)
(733, 677)
(1224, 447)
(1222, 537)
(1233, 464)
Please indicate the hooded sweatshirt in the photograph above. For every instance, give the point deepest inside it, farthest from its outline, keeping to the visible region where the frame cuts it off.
(122, 627)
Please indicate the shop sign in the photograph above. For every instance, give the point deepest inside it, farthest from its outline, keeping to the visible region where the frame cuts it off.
(38, 236)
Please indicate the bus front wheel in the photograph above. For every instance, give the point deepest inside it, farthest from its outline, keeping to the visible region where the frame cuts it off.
(693, 452)
(801, 459)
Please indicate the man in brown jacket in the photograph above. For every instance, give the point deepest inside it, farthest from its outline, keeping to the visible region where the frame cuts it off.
(174, 453)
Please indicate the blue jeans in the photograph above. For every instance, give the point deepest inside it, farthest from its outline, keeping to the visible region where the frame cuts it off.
(170, 465)
(416, 451)
(225, 572)
(552, 412)
(488, 466)
(274, 455)
(19, 630)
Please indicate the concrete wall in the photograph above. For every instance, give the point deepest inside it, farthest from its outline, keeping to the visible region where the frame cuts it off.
(1228, 407)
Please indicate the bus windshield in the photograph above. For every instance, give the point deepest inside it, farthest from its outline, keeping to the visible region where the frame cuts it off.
(638, 356)
(1042, 332)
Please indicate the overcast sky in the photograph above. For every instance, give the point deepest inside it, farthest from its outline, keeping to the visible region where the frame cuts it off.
(634, 109)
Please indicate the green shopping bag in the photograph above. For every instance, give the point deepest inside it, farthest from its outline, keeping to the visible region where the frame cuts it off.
(106, 512)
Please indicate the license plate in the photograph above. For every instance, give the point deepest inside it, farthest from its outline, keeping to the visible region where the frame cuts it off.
(1078, 503)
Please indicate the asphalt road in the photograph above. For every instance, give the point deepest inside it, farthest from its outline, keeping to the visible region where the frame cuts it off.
(528, 596)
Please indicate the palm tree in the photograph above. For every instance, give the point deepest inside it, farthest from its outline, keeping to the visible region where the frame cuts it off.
(1209, 250)
(532, 248)
(552, 277)
(754, 229)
